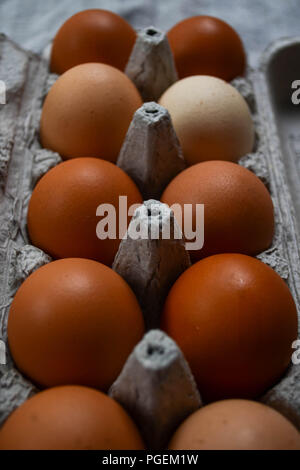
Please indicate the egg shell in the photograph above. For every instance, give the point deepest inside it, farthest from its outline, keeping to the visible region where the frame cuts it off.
(235, 320)
(236, 425)
(92, 36)
(62, 216)
(204, 45)
(211, 119)
(238, 209)
(70, 418)
(87, 112)
(73, 321)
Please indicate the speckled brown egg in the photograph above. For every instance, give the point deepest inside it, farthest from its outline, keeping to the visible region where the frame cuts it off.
(238, 210)
(92, 36)
(73, 321)
(236, 425)
(211, 119)
(70, 418)
(235, 320)
(87, 112)
(204, 45)
(62, 215)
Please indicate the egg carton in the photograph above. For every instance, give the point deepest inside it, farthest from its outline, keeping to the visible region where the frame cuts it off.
(155, 386)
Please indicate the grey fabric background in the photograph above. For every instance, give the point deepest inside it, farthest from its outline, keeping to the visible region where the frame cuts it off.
(33, 23)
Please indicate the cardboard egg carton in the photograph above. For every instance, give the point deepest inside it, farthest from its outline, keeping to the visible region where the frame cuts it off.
(156, 385)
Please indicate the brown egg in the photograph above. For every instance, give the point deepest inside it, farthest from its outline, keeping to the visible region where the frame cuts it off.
(238, 210)
(62, 216)
(73, 321)
(211, 119)
(87, 112)
(92, 36)
(203, 45)
(236, 425)
(70, 418)
(235, 320)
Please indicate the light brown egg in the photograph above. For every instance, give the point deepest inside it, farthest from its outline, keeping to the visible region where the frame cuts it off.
(204, 45)
(92, 36)
(87, 112)
(238, 209)
(62, 216)
(235, 320)
(73, 321)
(236, 425)
(70, 418)
(211, 119)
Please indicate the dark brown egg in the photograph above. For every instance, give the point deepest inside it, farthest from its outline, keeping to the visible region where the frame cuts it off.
(70, 418)
(235, 320)
(73, 321)
(92, 36)
(238, 209)
(62, 214)
(236, 425)
(203, 45)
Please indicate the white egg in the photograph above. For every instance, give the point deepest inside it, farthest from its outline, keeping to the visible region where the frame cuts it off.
(211, 118)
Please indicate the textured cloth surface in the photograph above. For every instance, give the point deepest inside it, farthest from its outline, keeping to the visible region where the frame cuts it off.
(33, 23)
